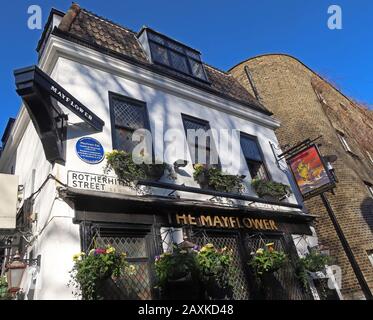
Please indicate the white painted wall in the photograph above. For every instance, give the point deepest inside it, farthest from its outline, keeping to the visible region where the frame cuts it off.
(89, 77)
(92, 86)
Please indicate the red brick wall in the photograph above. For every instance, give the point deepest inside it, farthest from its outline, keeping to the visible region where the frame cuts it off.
(288, 89)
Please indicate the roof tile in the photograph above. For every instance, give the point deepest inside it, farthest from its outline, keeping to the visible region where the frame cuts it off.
(103, 33)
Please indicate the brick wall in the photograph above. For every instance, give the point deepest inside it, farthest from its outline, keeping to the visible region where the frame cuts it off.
(307, 107)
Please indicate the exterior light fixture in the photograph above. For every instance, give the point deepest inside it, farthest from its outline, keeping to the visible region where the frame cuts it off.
(180, 164)
(15, 270)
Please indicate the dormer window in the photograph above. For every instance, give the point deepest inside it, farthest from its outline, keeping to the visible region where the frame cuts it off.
(174, 55)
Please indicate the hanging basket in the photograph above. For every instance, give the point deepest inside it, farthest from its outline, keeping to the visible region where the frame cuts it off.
(154, 171)
(184, 288)
(215, 291)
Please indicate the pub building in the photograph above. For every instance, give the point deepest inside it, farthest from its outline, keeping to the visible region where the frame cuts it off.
(94, 85)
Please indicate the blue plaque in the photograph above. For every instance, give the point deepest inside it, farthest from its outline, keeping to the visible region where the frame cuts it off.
(90, 150)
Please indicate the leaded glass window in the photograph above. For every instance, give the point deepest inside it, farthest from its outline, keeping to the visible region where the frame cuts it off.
(134, 286)
(127, 116)
(253, 157)
(202, 143)
(174, 55)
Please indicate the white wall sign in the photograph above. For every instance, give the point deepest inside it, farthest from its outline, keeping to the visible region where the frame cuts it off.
(96, 182)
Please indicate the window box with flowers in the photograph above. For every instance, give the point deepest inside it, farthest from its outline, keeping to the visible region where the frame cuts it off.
(129, 170)
(216, 271)
(178, 274)
(92, 270)
(270, 190)
(211, 177)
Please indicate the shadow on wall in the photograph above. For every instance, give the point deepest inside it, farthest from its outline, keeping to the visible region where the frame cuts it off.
(367, 211)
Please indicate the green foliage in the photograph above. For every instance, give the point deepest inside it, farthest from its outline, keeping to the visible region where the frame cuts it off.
(216, 180)
(176, 265)
(215, 263)
(267, 260)
(270, 188)
(4, 293)
(99, 264)
(129, 170)
(314, 261)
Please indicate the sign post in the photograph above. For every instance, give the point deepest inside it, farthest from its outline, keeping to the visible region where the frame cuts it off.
(313, 178)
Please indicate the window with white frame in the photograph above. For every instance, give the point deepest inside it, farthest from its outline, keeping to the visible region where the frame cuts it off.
(343, 140)
(370, 157)
(370, 256)
(370, 188)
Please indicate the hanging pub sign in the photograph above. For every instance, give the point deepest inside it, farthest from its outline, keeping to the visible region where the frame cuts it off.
(90, 150)
(40, 94)
(310, 172)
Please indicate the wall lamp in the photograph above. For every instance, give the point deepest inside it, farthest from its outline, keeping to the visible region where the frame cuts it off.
(180, 164)
(15, 270)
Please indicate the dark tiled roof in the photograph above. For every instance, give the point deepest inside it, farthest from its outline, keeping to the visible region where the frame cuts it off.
(100, 33)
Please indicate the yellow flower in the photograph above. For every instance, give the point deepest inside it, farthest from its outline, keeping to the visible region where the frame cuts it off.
(124, 254)
(131, 269)
(271, 244)
(198, 166)
(91, 252)
(77, 256)
(110, 250)
(259, 251)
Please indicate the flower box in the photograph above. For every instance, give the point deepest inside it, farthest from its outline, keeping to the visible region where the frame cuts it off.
(270, 190)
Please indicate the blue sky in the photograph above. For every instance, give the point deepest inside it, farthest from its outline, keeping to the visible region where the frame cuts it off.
(226, 32)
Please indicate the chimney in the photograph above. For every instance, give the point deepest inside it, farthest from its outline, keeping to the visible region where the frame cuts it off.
(69, 17)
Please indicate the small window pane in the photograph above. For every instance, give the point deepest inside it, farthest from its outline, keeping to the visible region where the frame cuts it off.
(197, 69)
(179, 62)
(250, 149)
(195, 125)
(175, 46)
(198, 156)
(370, 256)
(370, 189)
(128, 115)
(124, 140)
(257, 170)
(156, 38)
(159, 54)
(198, 144)
(344, 143)
(194, 55)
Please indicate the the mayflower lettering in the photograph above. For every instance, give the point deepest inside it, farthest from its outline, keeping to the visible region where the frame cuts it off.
(229, 222)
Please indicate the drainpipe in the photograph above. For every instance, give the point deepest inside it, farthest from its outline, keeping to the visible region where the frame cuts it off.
(251, 81)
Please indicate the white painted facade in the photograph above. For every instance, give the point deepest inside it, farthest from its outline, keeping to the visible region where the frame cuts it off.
(89, 76)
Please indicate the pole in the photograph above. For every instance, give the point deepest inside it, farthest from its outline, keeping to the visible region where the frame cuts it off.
(359, 275)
